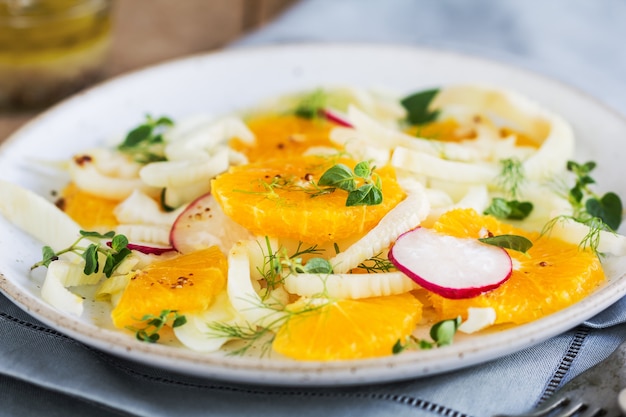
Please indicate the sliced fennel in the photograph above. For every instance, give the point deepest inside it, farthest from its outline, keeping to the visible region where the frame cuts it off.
(37, 216)
(197, 334)
(54, 289)
(478, 319)
(405, 216)
(185, 172)
(242, 294)
(553, 135)
(349, 286)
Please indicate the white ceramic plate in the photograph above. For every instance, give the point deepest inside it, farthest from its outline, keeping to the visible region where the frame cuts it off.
(225, 81)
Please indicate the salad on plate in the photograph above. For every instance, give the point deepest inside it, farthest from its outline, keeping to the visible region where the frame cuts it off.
(332, 224)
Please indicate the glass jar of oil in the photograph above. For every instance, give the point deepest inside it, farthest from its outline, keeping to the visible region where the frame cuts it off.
(50, 49)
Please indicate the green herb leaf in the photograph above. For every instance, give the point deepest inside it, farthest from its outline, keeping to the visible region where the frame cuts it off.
(114, 254)
(513, 242)
(119, 242)
(587, 204)
(48, 255)
(179, 321)
(511, 176)
(339, 176)
(576, 195)
(608, 208)
(145, 142)
(377, 264)
(310, 106)
(365, 195)
(398, 347)
(318, 266)
(443, 332)
(98, 235)
(512, 210)
(91, 259)
(278, 263)
(363, 169)
(368, 193)
(153, 324)
(417, 105)
(137, 135)
(113, 259)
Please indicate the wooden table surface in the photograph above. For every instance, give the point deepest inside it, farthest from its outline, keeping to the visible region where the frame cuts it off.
(146, 32)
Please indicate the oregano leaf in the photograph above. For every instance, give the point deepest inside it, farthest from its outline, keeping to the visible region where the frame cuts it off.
(509, 209)
(365, 195)
(339, 176)
(417, 105)
(363, 169)
(136, 136)
(513, 242)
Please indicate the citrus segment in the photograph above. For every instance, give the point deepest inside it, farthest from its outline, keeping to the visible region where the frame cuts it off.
(348, 329)
(553, 275)
(282, 136)
(280, 198)
(447, 130)
(89, 211)
(187, 283)
(450, 130)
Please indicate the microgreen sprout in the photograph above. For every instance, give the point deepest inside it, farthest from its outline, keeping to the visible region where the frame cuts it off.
(510, 180)
(114, 251)
(278, 263)
(586, 203)
(145, 142)
(153, 325)
(442, 334)
(600, 213)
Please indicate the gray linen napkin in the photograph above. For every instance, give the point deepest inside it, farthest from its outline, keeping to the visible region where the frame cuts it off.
(43, 372)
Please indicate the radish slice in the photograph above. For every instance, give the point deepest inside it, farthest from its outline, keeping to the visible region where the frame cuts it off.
(148, 250)
(450, 266)
(335, 117)
(203, 224)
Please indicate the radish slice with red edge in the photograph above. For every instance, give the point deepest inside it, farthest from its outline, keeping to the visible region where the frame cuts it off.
(335, 117)
(449, 266)
(148, 250)
(202, 224)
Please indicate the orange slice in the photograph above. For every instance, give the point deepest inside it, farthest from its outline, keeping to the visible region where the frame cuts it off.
(290, 209)
(450, 130)
(348, 329)
(553, 275)
(187, 283)
(282, 136)
(89, 211)
(447, 130)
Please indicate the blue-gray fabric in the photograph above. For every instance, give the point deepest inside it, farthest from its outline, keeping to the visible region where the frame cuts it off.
(43, 372)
